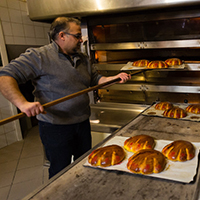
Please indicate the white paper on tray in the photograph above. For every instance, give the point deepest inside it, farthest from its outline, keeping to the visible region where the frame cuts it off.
(176, 171)
(129, 66)
(154, 112)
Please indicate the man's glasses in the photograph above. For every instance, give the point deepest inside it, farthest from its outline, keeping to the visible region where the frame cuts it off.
(77, 36)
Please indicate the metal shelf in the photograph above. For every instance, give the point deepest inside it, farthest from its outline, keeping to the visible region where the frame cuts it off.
(146, 45)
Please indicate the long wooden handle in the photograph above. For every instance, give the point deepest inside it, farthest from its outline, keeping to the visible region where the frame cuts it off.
(57, 101)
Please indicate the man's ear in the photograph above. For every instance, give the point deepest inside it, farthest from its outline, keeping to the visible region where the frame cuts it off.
(61, 35)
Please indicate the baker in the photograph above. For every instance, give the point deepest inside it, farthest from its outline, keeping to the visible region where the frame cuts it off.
(56, 70)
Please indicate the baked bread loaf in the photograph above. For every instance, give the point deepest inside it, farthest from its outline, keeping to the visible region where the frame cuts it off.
(107, 156)
(163, 106)
(173, 61)
(175, 112)
(157, 64)
(141, 63)
(139, 142)
(147, 161)
(193, 108)
(179, 150)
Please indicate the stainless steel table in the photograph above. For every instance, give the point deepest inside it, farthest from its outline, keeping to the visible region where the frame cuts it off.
(77, 182)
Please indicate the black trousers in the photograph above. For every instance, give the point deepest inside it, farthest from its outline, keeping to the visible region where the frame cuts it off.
(63, 141)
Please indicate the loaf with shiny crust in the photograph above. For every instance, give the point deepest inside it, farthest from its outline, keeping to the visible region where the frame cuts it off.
(138, 142)
(163, 106)
(175, 112)
(173, 61)
(107, 156)
(179, 150)
(193, 108)
(147, 161)
(157, 64)
(141, 63)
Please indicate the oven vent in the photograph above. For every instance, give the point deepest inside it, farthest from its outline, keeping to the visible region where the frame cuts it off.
(43, 10)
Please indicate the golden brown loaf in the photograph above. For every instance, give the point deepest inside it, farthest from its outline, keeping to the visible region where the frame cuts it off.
(107, 156)
(193, 108)
(179, 150)
(175, 112)
(173, 61)
(141, 63)
(139, 142)
(163, 106)
(157, 64)
(147, 161)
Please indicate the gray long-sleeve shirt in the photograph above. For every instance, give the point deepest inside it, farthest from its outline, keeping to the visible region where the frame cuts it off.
(53, 77)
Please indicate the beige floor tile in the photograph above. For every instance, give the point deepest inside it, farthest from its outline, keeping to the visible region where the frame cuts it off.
(11, 156)
(8, 167)
(28, 174)
(33, 136)
(21, 167)
(30, 162)
(17, 146)
(20, 190)
(6, 179)
(31, 152)
(34, 131)
(4, 192)
(32, 144)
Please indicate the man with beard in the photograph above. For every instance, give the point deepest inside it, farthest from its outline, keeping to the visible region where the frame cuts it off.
(56, 70)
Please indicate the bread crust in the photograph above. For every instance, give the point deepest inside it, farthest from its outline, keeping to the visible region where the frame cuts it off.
(147, 161)
(107, 156)
(141, 63)
(175, 112)
(163, 106)
(179, 150)
(138, 142)
(157, 64)
(174, 61)
(193, 108)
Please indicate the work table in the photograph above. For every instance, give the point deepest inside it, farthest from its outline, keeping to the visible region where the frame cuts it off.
(80, 182)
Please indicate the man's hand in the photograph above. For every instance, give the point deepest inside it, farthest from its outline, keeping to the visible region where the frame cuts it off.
(124, 77)
(9, 88)
(32, 108)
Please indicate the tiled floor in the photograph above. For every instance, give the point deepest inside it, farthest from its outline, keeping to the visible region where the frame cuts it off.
(21, 167)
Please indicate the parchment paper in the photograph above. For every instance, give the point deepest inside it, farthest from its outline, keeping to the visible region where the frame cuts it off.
(176, 171)
(190, 116)
(129, 66)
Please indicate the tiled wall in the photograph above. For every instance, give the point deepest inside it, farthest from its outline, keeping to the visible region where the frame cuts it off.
(18, 29)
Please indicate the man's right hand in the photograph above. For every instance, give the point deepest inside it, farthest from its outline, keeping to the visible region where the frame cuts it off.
(32, 108)
(9, 88)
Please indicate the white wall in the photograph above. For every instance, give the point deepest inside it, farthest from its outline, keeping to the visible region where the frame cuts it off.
(18, 29)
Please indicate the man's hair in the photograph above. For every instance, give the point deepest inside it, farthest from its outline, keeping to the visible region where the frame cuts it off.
(61, 24)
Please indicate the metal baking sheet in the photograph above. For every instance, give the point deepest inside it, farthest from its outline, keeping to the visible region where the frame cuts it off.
(159, 113)
(176, 171)
(129, 66)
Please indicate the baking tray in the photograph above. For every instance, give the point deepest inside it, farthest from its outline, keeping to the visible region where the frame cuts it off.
(129, 66)
(151, 111)
(174, 171)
